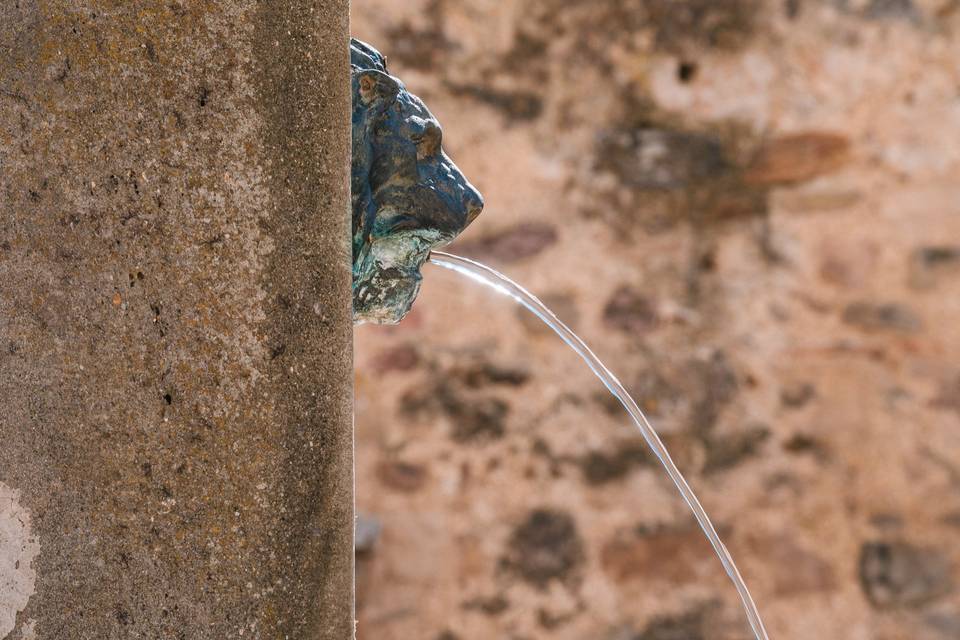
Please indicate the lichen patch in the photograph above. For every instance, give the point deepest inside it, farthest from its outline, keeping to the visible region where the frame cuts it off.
(18, 549)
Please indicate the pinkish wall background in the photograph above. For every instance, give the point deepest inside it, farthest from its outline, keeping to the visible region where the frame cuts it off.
(751, 210)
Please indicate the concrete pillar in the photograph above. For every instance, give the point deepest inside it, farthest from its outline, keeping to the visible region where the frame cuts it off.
(175, 331)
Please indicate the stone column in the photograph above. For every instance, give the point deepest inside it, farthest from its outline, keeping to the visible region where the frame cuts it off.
(175, 330)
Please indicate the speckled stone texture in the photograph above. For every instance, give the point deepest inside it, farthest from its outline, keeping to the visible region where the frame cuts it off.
(175, 323)
(751, 211)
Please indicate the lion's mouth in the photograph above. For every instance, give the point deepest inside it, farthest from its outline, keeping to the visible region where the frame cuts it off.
(388, 277)
(386, 273)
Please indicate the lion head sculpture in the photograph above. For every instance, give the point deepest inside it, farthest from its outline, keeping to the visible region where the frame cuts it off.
(408, 196)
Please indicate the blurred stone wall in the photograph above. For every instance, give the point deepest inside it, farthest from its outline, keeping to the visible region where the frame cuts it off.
(751, 210)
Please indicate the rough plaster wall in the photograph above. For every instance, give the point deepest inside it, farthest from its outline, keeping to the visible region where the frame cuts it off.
(175, 359)
(751, 210)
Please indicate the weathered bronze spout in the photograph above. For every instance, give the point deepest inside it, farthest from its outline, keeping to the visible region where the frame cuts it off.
(408, 196)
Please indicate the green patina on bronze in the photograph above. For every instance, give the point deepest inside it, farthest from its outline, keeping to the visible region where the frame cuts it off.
(408, 196)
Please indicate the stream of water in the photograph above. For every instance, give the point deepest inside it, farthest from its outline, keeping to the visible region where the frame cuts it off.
(502, 284)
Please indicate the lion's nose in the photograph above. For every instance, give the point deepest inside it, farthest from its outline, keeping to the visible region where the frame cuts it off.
(474, 204)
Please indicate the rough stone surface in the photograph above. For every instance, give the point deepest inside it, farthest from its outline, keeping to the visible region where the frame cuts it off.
(751, 208)
(175, 300)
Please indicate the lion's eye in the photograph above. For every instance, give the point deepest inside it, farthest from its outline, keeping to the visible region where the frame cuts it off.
(428, 142)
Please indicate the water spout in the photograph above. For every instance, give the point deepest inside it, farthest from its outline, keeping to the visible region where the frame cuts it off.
(502, 284)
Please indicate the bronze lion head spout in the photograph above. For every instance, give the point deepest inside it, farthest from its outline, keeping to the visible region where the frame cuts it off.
(408, 196)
